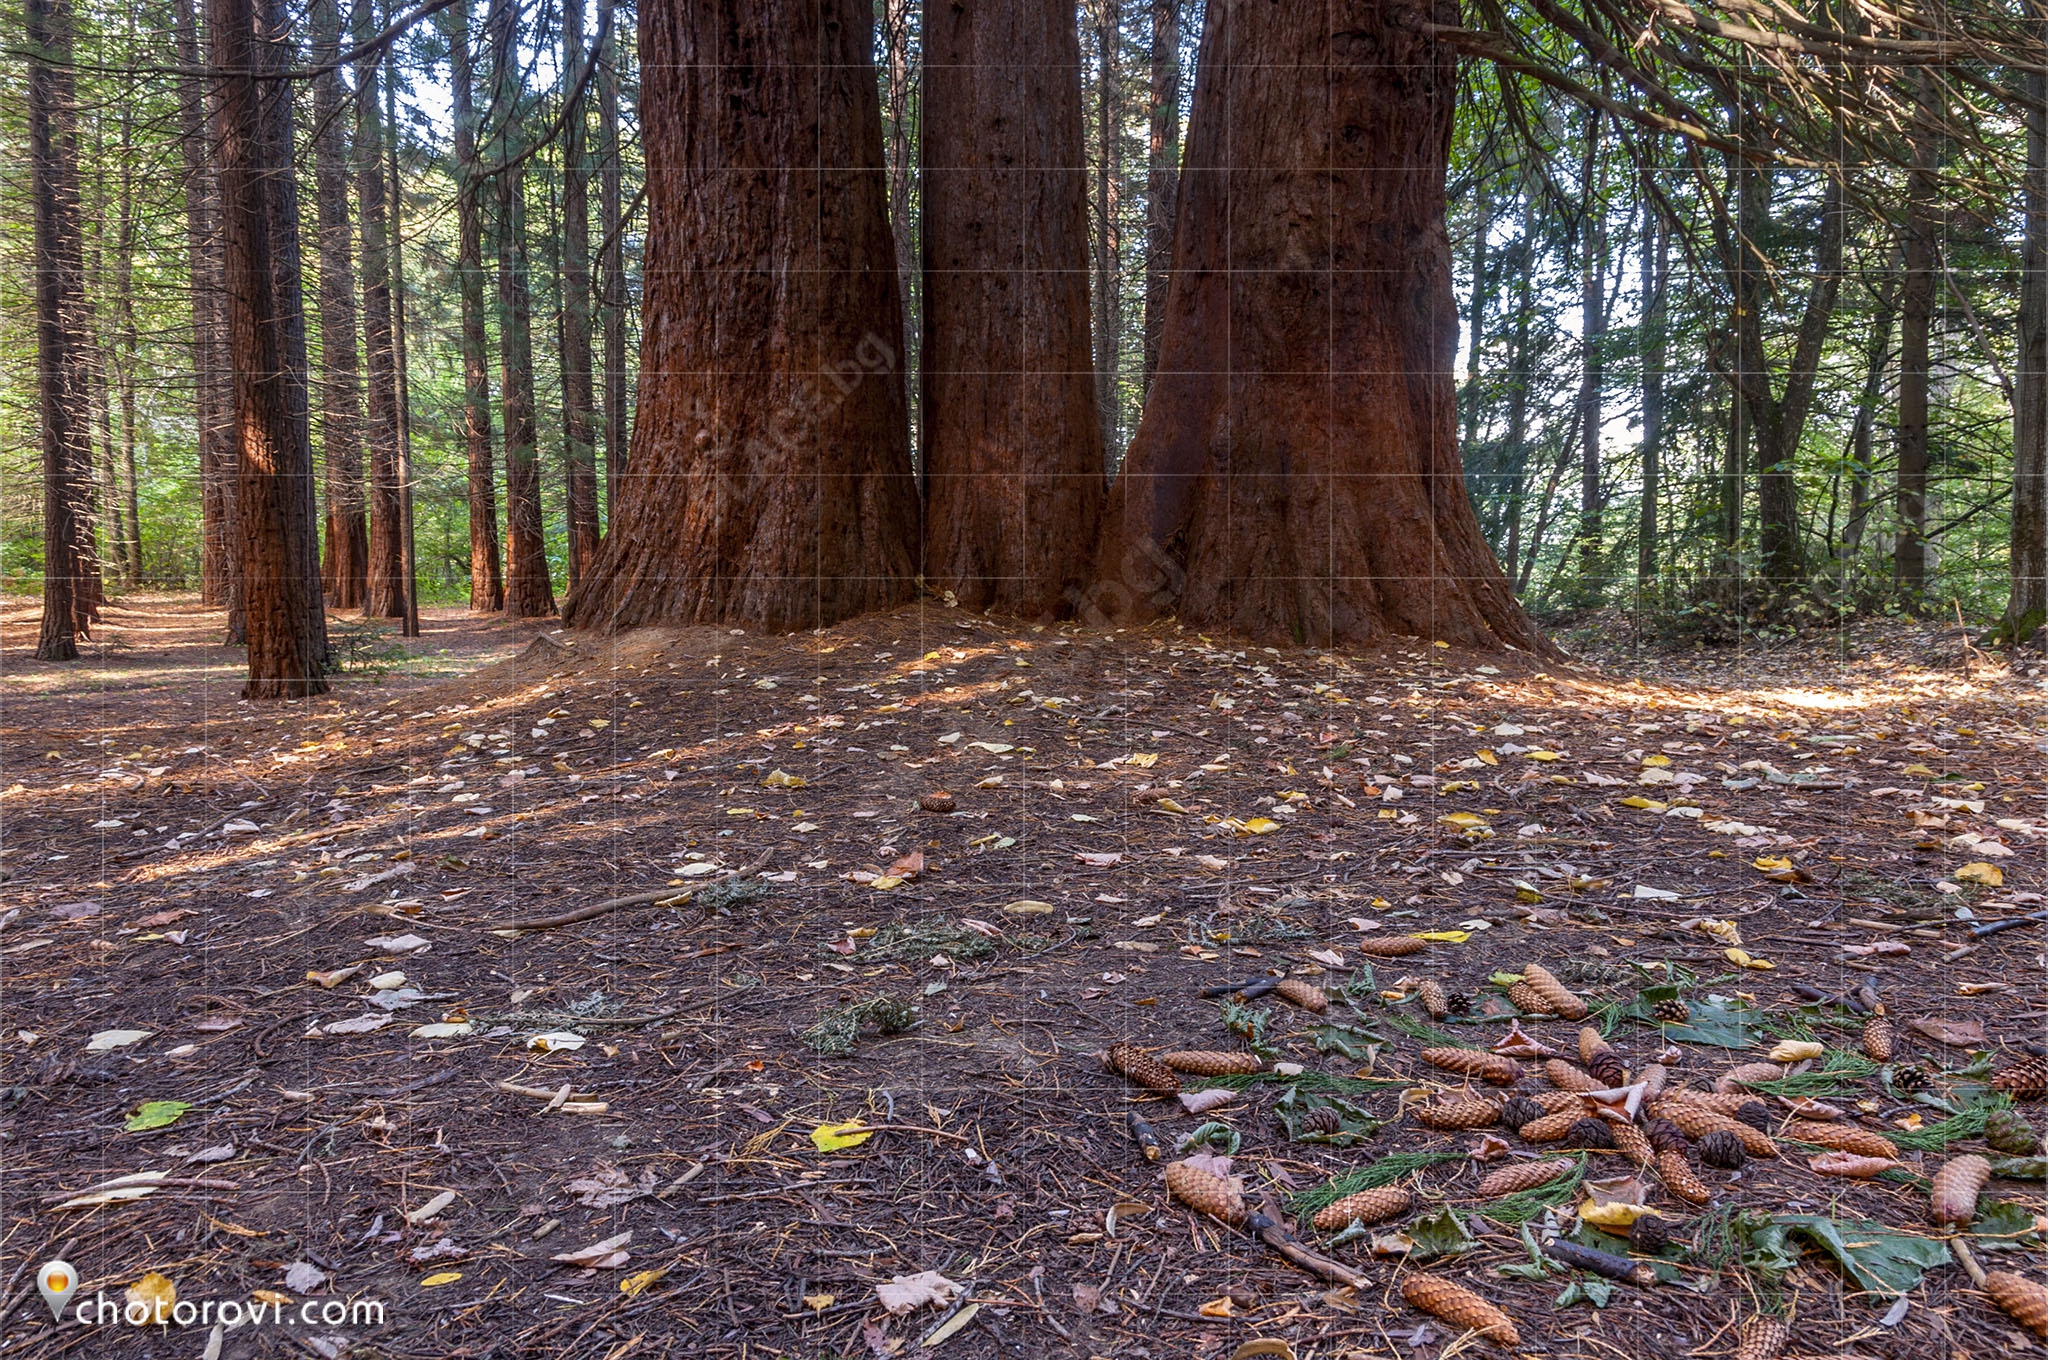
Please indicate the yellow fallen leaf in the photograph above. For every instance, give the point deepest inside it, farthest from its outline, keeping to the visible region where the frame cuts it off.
(636, 1284)
(739, 812)
(1144, 760)
(1259, 826)
(1614, 1214)
(1921, 770)
(1486, 757)
(1025, 906)
(1643, 804)
(1771, 863)
(270, 1296)
(157, 1294)
(833, 1137)
(1990, 875)
(1545, 755)
(440, 1277)
(1461, 819)
(885, 882)
(1743, 960)
(782, 779)
(1168, 805)
(1218, 1308)
(1796, 1050)
(818, 1303)
(1445, 936)
(1657, 762)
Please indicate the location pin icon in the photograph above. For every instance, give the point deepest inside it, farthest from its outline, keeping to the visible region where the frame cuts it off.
(57, 1281)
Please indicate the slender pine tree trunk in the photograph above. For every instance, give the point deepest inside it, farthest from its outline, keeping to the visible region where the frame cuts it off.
(2027, 609)
(210, 394)
(1862, 434)
(128, 341)
(1592, 354)
(579, 399)
(1162, 172)
(1108, 243)
(384, 586)
(486, 572)
(1909, 553)
(408, 554)
(611, 213)
(346, 568)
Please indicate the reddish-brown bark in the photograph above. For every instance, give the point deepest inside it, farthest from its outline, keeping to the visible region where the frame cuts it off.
(1296, 473)
(769, 483)
(345, 569)
(287, 627)
(1012, 445)
(486, 574)
(384, 594)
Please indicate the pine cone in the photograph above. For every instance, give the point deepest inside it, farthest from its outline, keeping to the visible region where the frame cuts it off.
(1305, 995)
(1219, 1197)
(1649, 1235)
(1590, 1133)
(1736, 1078)
(1952, 1201)
(1556, 1102)
(1561, 998)
(1880, 1039)
(936, 801)
(1513, 1180)
(1551, 1127)
(1433, 999)
(1756, 1114)
(1679, 1180)
(1367, 1206)
(1528, 1000)
(1475, 1062)
(1458, 1114)
(1459, 1003)
(1519, 1111)
(1460, 1307)
(1729, 1103)
(1591, 1044)
(1720, 1148)
(1697, 1122)
(1391, 947)
(1762, 1338)
(1210, 1063)
(1135, 1065)
(1842, 1138)
(1600, 1059)
(1666, 1136)
(2023, 1300)
(1670, 1012)
(2026, 1079)
(1630, 1142)
(2009, 1132)
(1322, 1119)
(1909, 1078)
(1566, 1077)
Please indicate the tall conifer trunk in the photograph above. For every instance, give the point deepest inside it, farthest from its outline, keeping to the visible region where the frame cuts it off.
(346, 566)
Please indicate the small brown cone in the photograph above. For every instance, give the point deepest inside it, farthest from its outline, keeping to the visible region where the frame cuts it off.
(1306, 995)
(1696, 1121)
(1434, 999)
(2022, 1299)
(1528, 1000)
(1762, 1338)
(938, 800)
(1718, 1101)
(1561, 998)
(1137, 1066)
(1551, 1128)
(1367, 1206)
(1679, 1179)
(1880, 1039)
(1391, 947)
(1737, 1078)
(1513, 1180)
(1590, 1045)
(1630, 1142)
(1474, 1062)
(1842, 1138)
(1952, 1201)
(1458, 1114)
(1557, 1102)
(1209, 1063)
(1566, 1077)
(1217, 1196)
(2026, 1079)
(1460, 1307)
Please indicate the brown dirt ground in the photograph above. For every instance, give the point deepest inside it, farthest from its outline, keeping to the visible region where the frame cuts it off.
(177, 862)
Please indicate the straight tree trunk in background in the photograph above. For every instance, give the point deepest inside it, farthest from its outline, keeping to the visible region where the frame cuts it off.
(771, 482)
(1475, 332)
(2027, 608)
(899, 20)
(579, 399)
(411, 627)
(346, 566)
(1592, 351)
(486, 574)
(1655, 284)
(211, 394)
(384, 589)
(1109, 323)
(63, 396)
(529, 589)
(1876, 354)
(1012, 454)
(129, 346)
(1296, 473)
(287, 626)
(1162, 172)
(1909, 552)
(611, 222)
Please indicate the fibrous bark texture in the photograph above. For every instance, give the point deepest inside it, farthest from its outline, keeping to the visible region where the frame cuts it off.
(1012, 449)
(1296, 474)
(769, 481)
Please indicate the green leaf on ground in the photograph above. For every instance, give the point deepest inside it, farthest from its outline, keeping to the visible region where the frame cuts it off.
(156, 1114)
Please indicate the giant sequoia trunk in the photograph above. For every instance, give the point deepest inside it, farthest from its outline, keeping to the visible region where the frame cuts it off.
(1012, 450)
(63, 393)
(287, 626)
(1296, 473)
(771, 481)
(345, 570)
(486, 572)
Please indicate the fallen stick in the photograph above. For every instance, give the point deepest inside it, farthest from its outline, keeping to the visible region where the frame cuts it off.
(1272, 1229)
(659, 897)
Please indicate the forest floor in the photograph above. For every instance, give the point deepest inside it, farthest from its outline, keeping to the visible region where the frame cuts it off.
(256, 960)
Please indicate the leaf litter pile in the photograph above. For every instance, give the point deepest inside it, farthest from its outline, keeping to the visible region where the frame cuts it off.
(931, 985)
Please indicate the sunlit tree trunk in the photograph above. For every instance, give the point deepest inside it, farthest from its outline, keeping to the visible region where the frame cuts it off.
(211, 395)
(611, 213)
(346, 566)
(1654, 281)
(408, 567)
(384, 592)
(579, 399)
(1592, 251)
(287, 627)
(486, 573)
